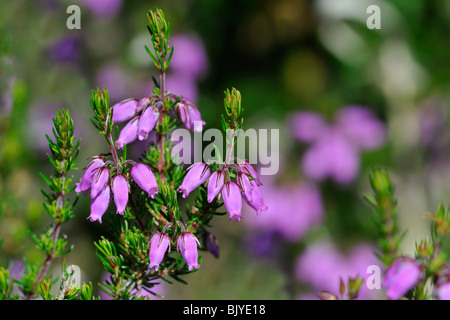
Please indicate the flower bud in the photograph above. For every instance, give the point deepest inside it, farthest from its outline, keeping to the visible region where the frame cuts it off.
(215, 184)
(211, 244)
(198, 174)
(147, 122)
(232, 200)
(187, 245)
(86, 180)
(99, 181)
(124, 110)
(159, 244)
(145, 179)
(128, 134)
(256, 201)
(100, 204)
(120, 189)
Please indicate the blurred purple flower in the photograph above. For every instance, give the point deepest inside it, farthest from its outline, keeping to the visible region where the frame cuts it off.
(40, 122)
(443, 291)
(66, 50)
(180, 84)
(7, 84)
(189, 56)
(262, 244)
(113, 78)
(334, 150)
(322, 264)
(291, 210)
(103, 8)
(189, 65)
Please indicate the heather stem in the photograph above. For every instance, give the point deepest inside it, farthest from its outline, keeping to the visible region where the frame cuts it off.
(114, 153)
(230, 146)
(161, 161)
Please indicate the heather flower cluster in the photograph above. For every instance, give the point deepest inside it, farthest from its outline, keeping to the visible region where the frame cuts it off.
(101, 180)
(143, 115)
(334, 148)
(219, 182)
(145, 191)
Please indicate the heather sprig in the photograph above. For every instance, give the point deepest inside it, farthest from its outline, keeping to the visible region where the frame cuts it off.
(385, 217)
(64, 152)
(426, 275)
(140, 248)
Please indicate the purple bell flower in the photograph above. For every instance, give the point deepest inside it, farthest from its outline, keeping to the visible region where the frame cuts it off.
(124, 110)
(128, 134)
(232, 200)
(402, 276)
(187, 245)
(85, 183)
(197, 174)
(159, 244)
(245, 185)
(256, 201)
(120, 189)
(145, 179)
(249, 170)
(147, 122)
(143, 103)
(100, 204)
(99, 181)
(215, 184)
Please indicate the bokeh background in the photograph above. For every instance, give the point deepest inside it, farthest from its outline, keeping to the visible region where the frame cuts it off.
(345, 99)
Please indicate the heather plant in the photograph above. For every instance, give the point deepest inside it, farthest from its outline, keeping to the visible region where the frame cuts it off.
(155, 213)
(150, 238)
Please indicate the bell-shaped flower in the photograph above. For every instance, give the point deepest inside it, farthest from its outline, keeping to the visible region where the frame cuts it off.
(245, 185)
(120, 189)
(147, 122)
(85, 183)
(402, 276)
(145, 179)
(249, 170)
(128, 134)
(232, 199)
(99, 181)
(256, 201)
(124, 110)
(215, 184)
(143, 103)
(100, 204)
(159, 244)
(187, 245)
(190, 116)
(197, 174)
